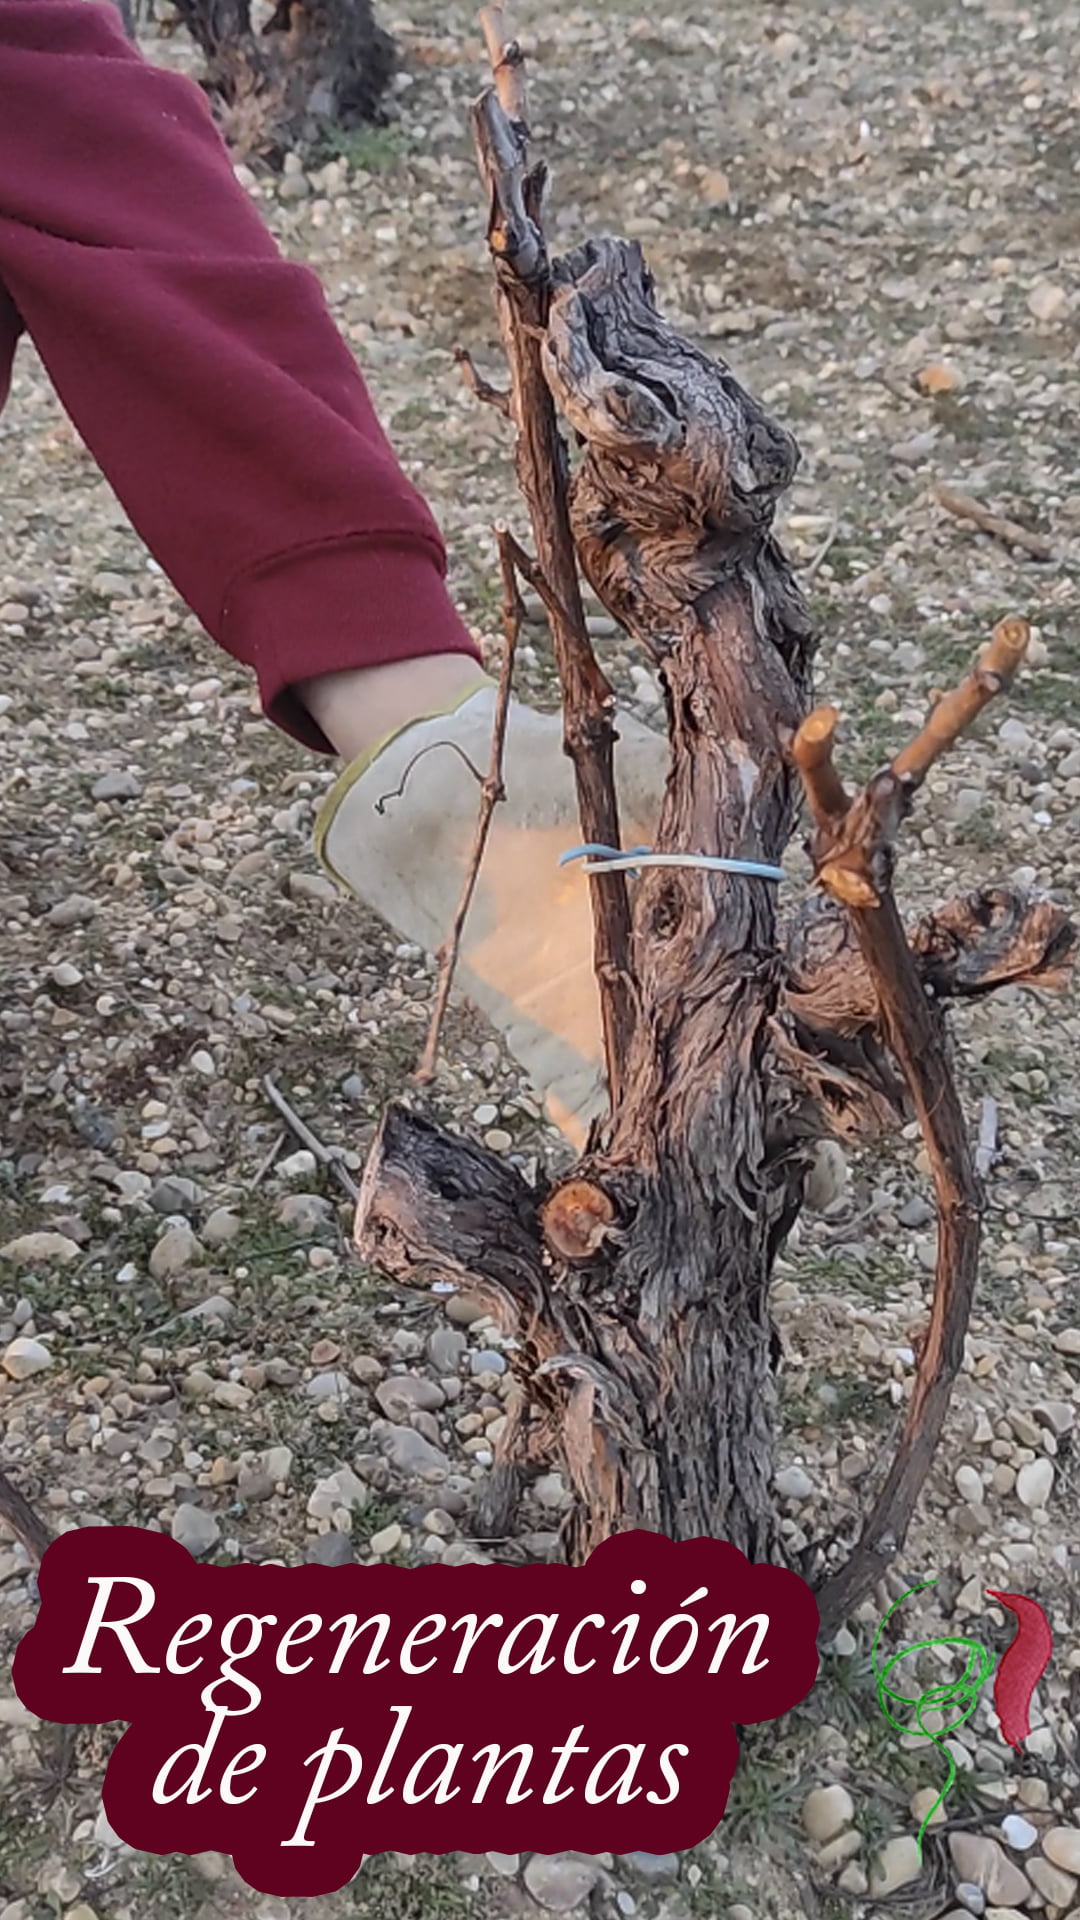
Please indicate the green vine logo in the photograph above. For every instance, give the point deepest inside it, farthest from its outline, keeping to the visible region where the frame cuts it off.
(1022, 1666)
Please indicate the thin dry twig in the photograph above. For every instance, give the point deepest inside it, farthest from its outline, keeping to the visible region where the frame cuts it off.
(818, 558)
(522, 284)
(495, 397)
(329, 1157)
(1010, 531)
(267, 1161)
(858, 842)
(491, 792)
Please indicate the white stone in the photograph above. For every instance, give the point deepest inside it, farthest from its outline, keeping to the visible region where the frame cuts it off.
(24, 1357)
(297, 1166)
(33, 1249)
(968, 1484)
(794, 1483)
(387, 1540)
(827, 1811)
(1018, 1833)
(1034, 1482)
(897, 1864)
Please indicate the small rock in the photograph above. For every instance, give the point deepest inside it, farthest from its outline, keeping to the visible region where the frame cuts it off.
(445, 1348)
(72, 912)
(1058, 1415)
(195, 1529)
(387, 1540)
(1019, 1833)
(826, 1176)
(402, 1394)
(981, 1860)
(34, 1249)
(409, 1451)
(175, 1195)
(937, 378)
(220, 1227)
(1061, 1846)
(204, 1063)
(277, 1462)
(921, 1802)
(116, 786)
(332, 1549)
(653, 1866)
(897, 1865)
(972, 1898)
(313, 887)
(328, 1386)
(794, 1483)
(66, 975)
(176, 1250)
(463, 1309)
(24, 1357)
(215, 1307)
(297, 1166)
(1049, 303)
(560, 1885)
(968, 1484)
(487, 1360)
(827, 1811)
(915, 1212)
(1034, 1483)
(1056, 1886)
(232, 1395)
(253, 1486)
(303, 1213)
(354, 1089)
(505, 1863)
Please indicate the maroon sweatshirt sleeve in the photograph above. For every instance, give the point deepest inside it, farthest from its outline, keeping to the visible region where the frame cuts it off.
(203, 370)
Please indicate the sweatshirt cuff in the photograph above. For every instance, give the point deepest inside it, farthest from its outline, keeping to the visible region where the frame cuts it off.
(333, 607)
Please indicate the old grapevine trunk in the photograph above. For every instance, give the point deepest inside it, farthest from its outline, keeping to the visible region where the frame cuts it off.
(315, 67)
(672, 511)
(643, 1284)
(638, 1286)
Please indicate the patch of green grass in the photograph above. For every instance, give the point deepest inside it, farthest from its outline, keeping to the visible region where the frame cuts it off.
(428, 1889)
(765, 1795)
(368, 149)
(169, 1884)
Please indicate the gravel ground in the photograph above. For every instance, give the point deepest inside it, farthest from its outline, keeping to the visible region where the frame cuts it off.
(875, 214)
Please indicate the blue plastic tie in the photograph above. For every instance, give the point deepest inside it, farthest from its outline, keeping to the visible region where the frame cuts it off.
(632, 859)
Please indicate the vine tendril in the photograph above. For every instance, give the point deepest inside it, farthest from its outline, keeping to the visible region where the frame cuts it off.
(964, 1691)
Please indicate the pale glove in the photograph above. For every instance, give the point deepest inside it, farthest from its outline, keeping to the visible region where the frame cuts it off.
(527, 951)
